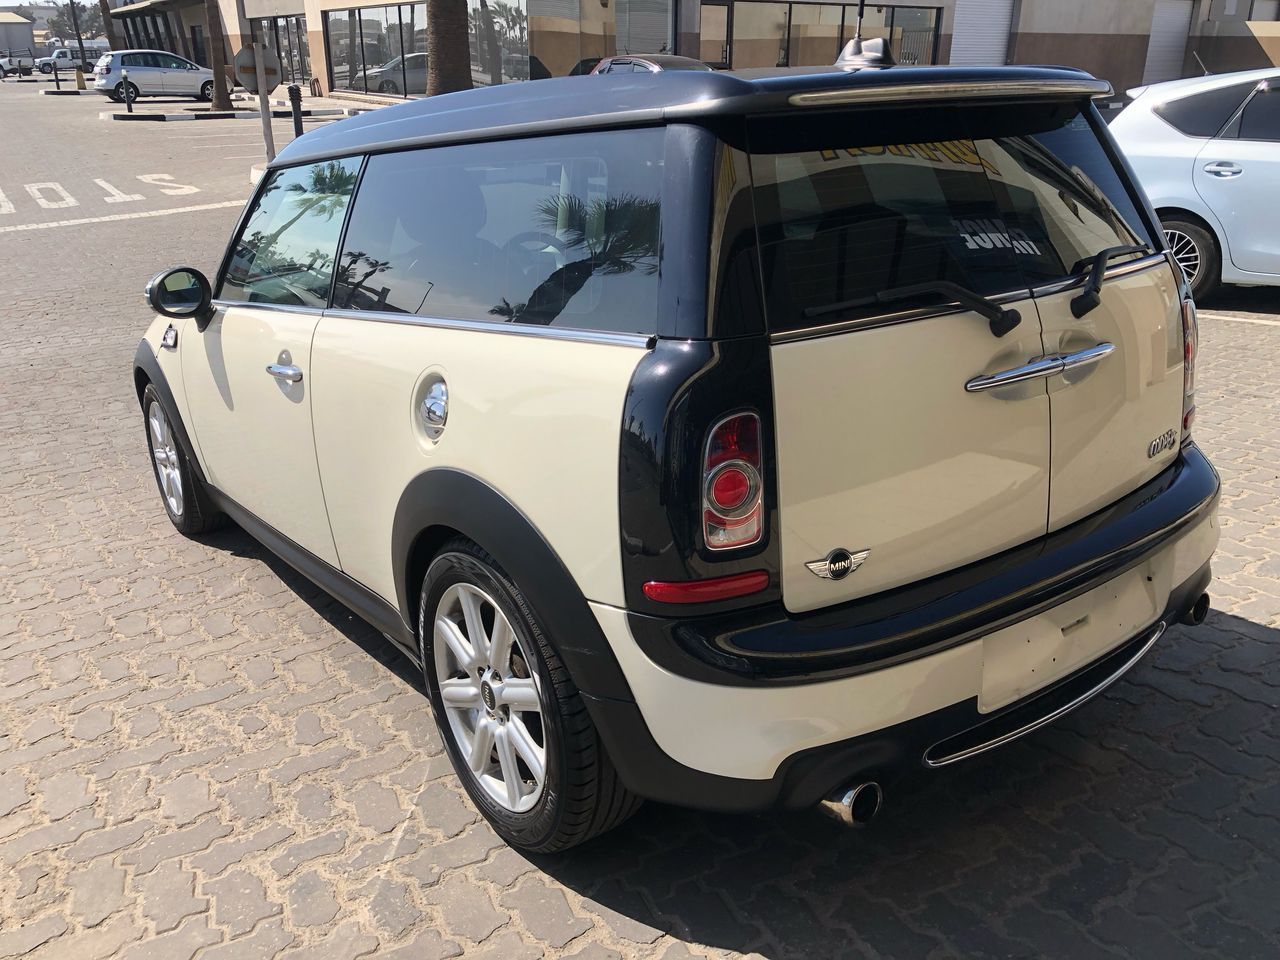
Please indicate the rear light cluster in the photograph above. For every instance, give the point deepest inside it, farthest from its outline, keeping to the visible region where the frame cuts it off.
(104, 70)
(1190, 347)
(732, 489)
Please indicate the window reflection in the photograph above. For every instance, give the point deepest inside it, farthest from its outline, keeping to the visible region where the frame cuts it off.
(563, 231)
(285, 251)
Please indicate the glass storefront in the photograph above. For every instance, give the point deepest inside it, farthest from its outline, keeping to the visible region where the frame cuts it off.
(765, 33)
(287, 36)
(384, 49)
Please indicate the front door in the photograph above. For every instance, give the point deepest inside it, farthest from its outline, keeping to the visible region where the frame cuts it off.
(248, 377)
(1238, 176)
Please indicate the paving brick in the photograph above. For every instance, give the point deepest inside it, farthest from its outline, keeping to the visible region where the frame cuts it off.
(180, 944)
(265, 942)
(168, 896)
(226, 852)
(22, 940)
(97, 892)
(176, 843)
(347, 942)
(465, 908)
(240, 902)
(186, 799)
(545, 912)
(306, 850)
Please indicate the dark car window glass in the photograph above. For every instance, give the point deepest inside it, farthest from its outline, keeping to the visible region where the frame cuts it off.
(285, 251)
(558, 231)
(131, 60)
(1001, 200)
(1261, 118)
(1203, 114)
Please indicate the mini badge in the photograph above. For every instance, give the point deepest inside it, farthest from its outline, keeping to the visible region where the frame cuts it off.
(839, 563)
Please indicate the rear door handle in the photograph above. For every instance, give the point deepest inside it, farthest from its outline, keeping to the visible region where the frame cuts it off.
(1223, 169)
(1041, 367)
(284, 371)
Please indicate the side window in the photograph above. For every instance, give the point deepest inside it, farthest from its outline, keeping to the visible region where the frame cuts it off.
(1261, 118)
(131, 60)
(286, 248)
(1203, 114)
(558, 231)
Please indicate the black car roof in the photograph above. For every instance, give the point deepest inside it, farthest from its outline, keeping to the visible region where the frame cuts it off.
(565, 104)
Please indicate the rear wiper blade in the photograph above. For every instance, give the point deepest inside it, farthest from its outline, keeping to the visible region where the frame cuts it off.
(1000, 319)
(1091, 296)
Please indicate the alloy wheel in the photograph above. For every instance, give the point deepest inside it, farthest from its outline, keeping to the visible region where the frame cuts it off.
(164, 454)
(491, 697)
(1186, 252)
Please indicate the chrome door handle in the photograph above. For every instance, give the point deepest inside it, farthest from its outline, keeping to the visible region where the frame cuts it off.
(1034, 370)
(1223, 169)
(1041, 367)
(1086, 357)
(284, 371)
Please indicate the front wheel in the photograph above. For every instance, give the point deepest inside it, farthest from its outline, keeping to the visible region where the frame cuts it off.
(184, 497)
(1196, 252)
(206, 90)
(46, 68)
(512, 720)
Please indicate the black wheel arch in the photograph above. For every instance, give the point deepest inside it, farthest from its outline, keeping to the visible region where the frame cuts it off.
(442, 503)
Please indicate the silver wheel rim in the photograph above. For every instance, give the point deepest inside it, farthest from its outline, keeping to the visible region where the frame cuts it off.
(491, 696)
(164, 455)
(1185, 251)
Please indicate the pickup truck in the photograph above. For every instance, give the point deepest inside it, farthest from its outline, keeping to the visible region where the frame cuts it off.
(68, 58)
(16, 62)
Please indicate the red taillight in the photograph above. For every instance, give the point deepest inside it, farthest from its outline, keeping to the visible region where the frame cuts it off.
(732, 489)
(103, 71)
(705, 591)
(1190, 347)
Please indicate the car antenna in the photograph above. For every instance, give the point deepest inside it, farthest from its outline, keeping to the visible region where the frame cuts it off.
(1207, 71)
(859, 53)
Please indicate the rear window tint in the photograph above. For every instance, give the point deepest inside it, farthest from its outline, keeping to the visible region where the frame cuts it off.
(1261, 118)
(1204, 114)
(559, 231)
(1002, 201)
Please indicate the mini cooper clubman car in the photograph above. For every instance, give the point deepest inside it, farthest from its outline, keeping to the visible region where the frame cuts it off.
(727, 440)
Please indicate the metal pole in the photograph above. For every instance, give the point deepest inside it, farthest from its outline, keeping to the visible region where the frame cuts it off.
(128, 100)
(295, 104)
(57, 81)
(264, 106)
(75, 25)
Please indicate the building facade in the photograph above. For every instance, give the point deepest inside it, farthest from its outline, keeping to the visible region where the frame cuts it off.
(381, 49)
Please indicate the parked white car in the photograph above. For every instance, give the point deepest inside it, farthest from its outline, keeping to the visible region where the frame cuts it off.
(151, 73)
(16, 62)
(1207, 152)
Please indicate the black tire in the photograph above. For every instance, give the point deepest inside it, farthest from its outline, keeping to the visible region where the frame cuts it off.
(1178, 233)
(206, 90)
(195, 513)
(118, 96)
(46, 68)
(389, 86)
(582, 796)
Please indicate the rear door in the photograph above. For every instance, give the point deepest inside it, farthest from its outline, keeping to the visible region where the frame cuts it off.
(1238, 175)
(881, 448)
(1121, 391)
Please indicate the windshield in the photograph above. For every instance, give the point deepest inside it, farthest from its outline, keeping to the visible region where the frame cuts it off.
(995, 201)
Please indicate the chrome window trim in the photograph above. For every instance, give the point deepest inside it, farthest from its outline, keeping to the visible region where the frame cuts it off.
(573, 334)
(273, 307)
(952, 91)
(927, 313)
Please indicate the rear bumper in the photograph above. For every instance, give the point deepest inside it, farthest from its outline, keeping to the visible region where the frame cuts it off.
(753, 743)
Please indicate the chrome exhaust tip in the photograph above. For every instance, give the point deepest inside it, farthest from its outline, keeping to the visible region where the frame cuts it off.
(1198, 613)
(857, 805)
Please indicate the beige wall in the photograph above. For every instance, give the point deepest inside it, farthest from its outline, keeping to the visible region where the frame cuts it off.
(1108, 38)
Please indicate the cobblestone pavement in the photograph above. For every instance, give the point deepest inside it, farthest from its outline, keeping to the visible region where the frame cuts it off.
(202, 756)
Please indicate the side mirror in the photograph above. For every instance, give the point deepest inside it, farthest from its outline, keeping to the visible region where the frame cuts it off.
(181, 292)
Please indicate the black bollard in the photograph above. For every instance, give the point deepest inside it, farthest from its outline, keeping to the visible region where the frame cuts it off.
(295, 104)
(57, 82)
(128, 100)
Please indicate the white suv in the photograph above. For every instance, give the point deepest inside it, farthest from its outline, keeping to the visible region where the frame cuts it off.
(729, 441)
(1207, 152)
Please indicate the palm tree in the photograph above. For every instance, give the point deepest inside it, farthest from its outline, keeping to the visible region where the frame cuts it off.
(217, 55)
(619, 235)
(490, 45)
(448, 53)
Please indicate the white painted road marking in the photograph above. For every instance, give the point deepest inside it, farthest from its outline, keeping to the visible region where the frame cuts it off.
(116, 196)
(6, 205)
(121, 216)
(1222, 316)
(169, 189)
(37, 190)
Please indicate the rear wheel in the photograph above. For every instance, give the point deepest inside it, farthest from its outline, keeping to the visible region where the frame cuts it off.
(1196, 252)
(206, 90)
(119, 92)
(511, 718)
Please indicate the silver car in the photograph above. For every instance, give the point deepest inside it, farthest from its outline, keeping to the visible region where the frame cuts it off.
(1207, 152)
(151, 73)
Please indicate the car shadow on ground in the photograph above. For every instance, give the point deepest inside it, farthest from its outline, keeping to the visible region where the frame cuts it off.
(1144, 824)
(1243, 299)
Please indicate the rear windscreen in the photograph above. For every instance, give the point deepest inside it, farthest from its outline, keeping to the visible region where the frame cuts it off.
(997, 200)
